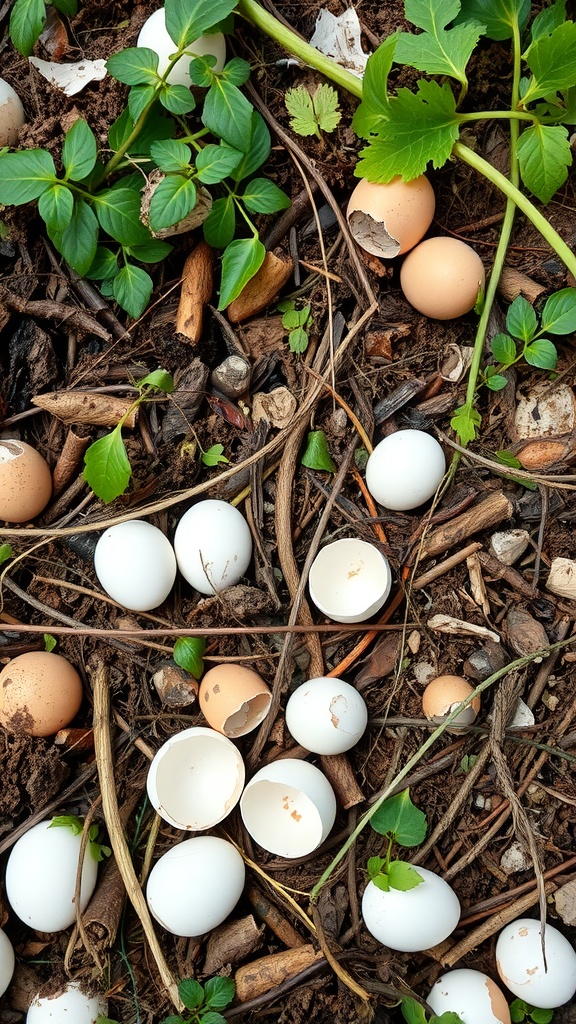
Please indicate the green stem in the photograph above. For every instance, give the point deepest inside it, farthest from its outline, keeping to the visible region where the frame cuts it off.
(494, 115)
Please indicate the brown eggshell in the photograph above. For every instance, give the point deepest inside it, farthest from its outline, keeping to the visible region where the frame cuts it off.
(441, 697)
(234, 699)
(441, 278)
(40, 693)
(390, 219)
(25, 482)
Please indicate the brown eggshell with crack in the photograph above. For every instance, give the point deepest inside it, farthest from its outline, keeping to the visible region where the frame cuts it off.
(40, 693)
(390, 219)
(442, 696)
(234, 699)
(25, 482)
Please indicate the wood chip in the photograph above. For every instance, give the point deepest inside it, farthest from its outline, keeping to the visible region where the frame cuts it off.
(260, 976)
(524, 634)
(490, 510)
(196, 292)
(262, 289)
(457, 627)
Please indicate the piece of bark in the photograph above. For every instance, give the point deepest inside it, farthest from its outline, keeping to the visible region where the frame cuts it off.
(75, 741)
(232, 942)
(69, 460)
(524, 634)
(513, 283)
(86, 407)
(458, 627)
(260, 976)
(186, 400)
(565, 900)
(338, 771)
(196, 292)
(263, 335)
(262, 289)
(490, 510)
(274, 919)
(477, 585)
(398, 398)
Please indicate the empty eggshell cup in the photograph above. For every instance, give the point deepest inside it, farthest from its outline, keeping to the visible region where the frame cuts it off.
(234, 699)
(349, 580)
(195, 779)
(288, 807)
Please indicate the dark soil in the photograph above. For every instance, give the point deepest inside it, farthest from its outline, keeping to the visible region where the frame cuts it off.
(52, 585)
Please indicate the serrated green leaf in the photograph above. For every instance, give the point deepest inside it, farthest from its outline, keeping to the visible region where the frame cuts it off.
(437, 50)
(27, 20)
(150, 252)
(262, 196)
(214, 163)
(118, 212)
(325, 101)
(503, 349)
(213, 456)
(465, 423)
(412, 1011)
(400, 818)
(171, 155)
(552, 61)
(316, 454)
(403, 876)
(218, 993)
(496, 382)
(157, 126)
(79, 152)
(373, 111)
(547, 20)
(71, 821)
(544, 156)
(382, 882)
(79, 240)
(521, 319)
(56, 206)
(173, 199)
(220, 224)
(139, 98)
(104, 265)
(189, 654)
(186, 20)
(499, 16)
(301, 109)
(240, 261)
(159, 379)
(541, 353)
(137, 65)
(374, 866)
(177, 99)
(258, 150)
(107, 468)
(228, 114)
(559, 313)
(25, 175)
(132, 288)
(191, 993)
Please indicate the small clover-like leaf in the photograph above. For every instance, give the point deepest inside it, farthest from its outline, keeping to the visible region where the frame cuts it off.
(316, 454)
(214, 456)
(71, 821)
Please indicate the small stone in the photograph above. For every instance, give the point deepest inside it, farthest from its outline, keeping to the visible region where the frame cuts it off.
(514, 859)
(484, 662)
(509, 545)
(232, 377)
(413, 642)
(424, 672)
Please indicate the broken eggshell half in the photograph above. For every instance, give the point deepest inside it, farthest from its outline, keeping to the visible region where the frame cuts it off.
(443, 695)
(326, 715)
(472, 995)
(195, 779)
(69, 1004)
(389, 219)
(7, 962)
(234, 699)
(288, 807)
(349, 580)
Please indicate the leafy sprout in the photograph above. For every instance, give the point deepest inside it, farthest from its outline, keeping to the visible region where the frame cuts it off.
(312, 113)
(399, 821)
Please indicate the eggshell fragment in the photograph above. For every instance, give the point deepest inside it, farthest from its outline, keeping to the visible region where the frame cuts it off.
(195, 779)
(41, 877)
(442, 277)
(154, 35)
(521, 967)
(472, 995)
(195, 885)
(234, 699)
(70, 1005)
(390, 219)
(349, 580)
(7, 962)
(40, 693)
(135, 564)
(12, 116)
(25, 482)
(213, 545)
(443, 695)
(413, 920)
(326, 715)
(405, 469)
(288, 807)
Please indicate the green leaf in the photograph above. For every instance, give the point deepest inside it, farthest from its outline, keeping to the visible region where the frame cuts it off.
(412, 1011)
(67, 7)
(374, 867)
(159, 379)
(173, 199)
(403, 876)
(507, 459)
(381, 881)
(316, 454)
(157, 126)
(79, 152)
(240, 261)
(559, 313)
(518, 1011)
(422, 127)
(214, 163)
(539, 1016)
(547, 20)
(79, 240)
(171, 155)
(213, 456)
(189, 654)
(104, 265)
(191, 993)
(400, 818)
(136, 65)
(218, 993)
(202, 72)
(541, 353)
(150, 252)
(521, 319)
(236, 71)
(258, 150)
(27, 20)
(496, 382)
(446, 1018)
(186, 20)
(312, 112)
(503, 349)
(263, 196)
(177, 99)
(132, 289)
(220, 224)
(5, 553)
(552, 61)
(437, 50)
(49, 642)
(499, 16)
(544, 155)
(118, 211)
(469, 760)
(107, 468)
(71, 821)
(228, 114)
(465, 423)
(56, 206)
(298, 340)
(212, 1017)
(139, 98)
(325, 101)
(373, 111)
(25, 175)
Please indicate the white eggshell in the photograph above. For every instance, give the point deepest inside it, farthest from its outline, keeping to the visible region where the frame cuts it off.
(405, 469)
(413, 920)
(195, 779)
(213, 545)
(41, 877)
(12, 115)
(135, 564)
(71, 1005)
(7, 962)
(288, 807)
(327, 716)
(154, 35)
(349, 580)
(521, 967)
(195, 885)
(472, 995)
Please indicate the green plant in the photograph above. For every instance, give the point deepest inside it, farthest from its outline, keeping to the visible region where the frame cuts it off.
(401, 822)
(49, 642)
(189, 654)
(316, 454)
(414, 1013)
(27, 19)
(97, 850)
(6, 553)
(204, 1001)
(213, 456)
(297, 322)
(521, 1011)
(312, 113)
(94, 202)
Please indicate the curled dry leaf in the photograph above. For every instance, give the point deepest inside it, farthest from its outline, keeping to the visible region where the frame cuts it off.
(70, 78)
(86, 407)
(457, 627)
(455, 362)
(562, 578)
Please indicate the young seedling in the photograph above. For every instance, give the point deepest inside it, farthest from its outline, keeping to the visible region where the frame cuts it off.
(189, 654)
(401, 822)
(414, 1013)
(97, 850)
(297, 322)
(521, 1011)
(316, 454)
(312, 113)
(204, 1001)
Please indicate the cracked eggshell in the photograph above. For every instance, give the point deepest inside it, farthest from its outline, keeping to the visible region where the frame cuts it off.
(25, 482)
(349, 580)
(69, 1005)
(12, 116)
(7, 962)
(288, 807)
(442, 277)
(40, 693)
(521, 967)
(195, 885)
(326, 715)
(234, 699)
(41, 877)
(443, 695)
(195, 779)
(472, 995)
(405, 469)
(390, 219)
(154, 35)
(135, 564)
(213, 545)
(414, 920)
